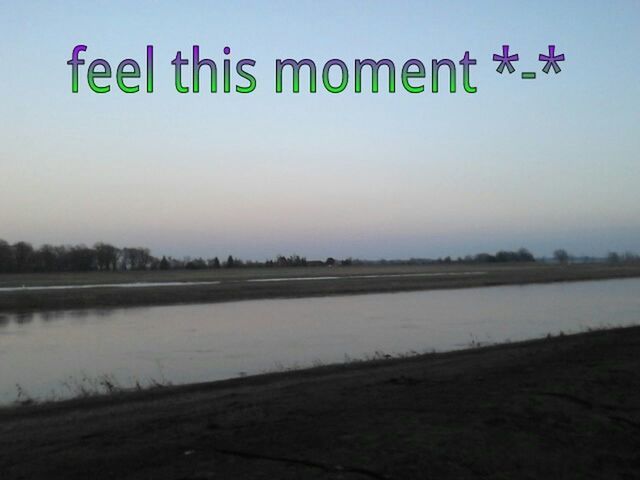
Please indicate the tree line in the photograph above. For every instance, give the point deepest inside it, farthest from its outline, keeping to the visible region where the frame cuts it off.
(564, 257)
(22, 257)
(502, 256)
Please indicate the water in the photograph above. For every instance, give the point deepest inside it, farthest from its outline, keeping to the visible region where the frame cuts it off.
(50, 353)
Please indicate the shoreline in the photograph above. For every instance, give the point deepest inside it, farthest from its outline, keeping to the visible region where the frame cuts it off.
(242, 285)
(453, 414)
(294, 374)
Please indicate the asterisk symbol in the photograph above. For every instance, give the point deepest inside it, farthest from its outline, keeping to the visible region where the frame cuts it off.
(552, 60)
(505, 60)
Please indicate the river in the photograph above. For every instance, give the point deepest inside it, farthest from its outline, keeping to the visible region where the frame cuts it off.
(54, 355)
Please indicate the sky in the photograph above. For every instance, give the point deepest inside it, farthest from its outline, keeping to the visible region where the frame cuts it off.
(545, 163)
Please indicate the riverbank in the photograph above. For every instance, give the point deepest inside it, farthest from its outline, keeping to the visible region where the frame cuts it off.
(564, 407)
(251, 283)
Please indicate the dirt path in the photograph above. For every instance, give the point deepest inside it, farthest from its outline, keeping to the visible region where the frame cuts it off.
(565, 407)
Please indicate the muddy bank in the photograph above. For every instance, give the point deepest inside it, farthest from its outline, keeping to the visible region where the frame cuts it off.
(566, 407)
(264, 283)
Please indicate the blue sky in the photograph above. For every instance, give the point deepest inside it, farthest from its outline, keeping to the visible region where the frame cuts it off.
(544, 163)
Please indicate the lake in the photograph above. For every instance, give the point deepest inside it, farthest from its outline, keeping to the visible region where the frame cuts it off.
(57, 354)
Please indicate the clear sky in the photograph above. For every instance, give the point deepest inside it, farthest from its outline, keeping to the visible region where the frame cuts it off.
(545, 163)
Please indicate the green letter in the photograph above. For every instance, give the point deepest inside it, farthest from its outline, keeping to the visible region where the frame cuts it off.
(375, 66)
(406, 75)
(296, 74)
(149, 68)
(92, 75)
(179, 62)
(435, 67)
(466, 62)
(246, 76)
(344, 79)
(197, 64)
(121, 75)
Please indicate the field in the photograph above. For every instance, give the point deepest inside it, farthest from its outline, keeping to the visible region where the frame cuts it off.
(563, 407)
(241, 284)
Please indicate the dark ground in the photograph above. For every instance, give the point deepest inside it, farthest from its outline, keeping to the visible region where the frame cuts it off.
(234, 286)
(567, 407)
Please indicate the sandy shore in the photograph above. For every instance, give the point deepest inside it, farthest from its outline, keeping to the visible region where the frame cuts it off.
(566, 407)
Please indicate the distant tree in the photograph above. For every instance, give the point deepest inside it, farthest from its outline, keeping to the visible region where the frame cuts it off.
(81, 259)
(522, 255)
(47, 259)
(61, 254)
(330, 261)
(347, 262)
(127, 259)
(7, 258)
(136, 258)
(106, 256)
(525, 255)
(196, 264)
(484, 258)
(164, 264)
(296, 261)
(561, 256)
(175, 264)
(230, 262)
(23, 253)
(613, 257)
(214, 263)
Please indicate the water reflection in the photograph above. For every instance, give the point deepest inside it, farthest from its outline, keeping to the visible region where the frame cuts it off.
(22, 318)
(52, 315)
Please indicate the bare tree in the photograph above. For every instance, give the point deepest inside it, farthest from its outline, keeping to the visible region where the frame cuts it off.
(106, 256)
(561, 256)
(7, 258)
(24, 254)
